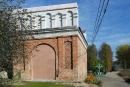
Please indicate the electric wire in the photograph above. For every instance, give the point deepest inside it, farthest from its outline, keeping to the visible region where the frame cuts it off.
(99, 18)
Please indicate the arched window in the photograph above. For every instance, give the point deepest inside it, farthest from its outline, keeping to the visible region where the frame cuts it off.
(30, 21)
(36, 20)
(70, 18)
(68, 55)
(48, 20)
(58, 20)
(41, 22)
(20, 23)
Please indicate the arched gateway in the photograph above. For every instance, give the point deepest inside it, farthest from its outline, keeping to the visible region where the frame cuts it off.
(43, 63)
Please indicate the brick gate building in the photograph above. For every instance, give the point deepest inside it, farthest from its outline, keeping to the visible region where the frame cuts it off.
(57, 48)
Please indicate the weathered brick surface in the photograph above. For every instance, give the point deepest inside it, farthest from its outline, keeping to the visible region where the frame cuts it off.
(82, 61)
(68, 55)
(79, 62)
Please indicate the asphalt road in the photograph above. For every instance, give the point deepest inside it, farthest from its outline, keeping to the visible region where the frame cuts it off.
(113, 80)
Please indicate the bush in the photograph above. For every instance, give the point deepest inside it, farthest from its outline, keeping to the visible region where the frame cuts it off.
(91, 79)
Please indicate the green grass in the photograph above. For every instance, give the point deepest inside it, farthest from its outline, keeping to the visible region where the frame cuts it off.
(42, 84)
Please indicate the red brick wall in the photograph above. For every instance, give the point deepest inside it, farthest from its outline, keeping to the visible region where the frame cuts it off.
(82, 61)
(58, 44)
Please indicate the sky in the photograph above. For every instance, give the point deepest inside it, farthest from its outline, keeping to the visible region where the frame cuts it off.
(115, 28)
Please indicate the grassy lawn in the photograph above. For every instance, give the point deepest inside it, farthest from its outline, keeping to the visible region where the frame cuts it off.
(42, 84)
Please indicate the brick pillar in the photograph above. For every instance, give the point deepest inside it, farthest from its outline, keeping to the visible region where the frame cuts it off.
(75, 51)
(61, 53)
(75, 56)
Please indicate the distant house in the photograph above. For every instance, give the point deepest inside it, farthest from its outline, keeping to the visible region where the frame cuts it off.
(57, 48)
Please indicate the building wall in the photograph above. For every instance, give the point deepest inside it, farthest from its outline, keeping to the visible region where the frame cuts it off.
(31, 44)
(43, 62)
(74, 73)
(82, 61)
(45, 17)
(58, 27)
(67, 73)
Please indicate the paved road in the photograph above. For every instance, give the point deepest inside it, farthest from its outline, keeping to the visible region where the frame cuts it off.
(113, 80)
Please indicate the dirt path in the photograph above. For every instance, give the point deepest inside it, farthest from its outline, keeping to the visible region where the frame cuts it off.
(113, 80)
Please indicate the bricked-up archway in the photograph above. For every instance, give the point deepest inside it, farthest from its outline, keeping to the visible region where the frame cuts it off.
(43, 63)
(68, 55)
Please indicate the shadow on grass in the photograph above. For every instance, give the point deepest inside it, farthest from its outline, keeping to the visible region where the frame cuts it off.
(127, 80)
(125, 74)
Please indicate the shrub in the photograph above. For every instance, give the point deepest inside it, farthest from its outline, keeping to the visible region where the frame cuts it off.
(90, 78)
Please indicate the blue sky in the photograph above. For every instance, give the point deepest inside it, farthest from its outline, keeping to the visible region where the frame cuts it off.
(115, 29)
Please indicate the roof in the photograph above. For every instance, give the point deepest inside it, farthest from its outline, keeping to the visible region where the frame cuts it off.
(53, 7)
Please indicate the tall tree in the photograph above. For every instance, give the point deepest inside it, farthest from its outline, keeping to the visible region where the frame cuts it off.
(105, 54)
(128, 57)
(12, 47)
(92, 56)
(123, 55)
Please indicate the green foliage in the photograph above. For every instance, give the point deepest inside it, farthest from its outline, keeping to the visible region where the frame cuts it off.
(105, 54)
(123, 55)
(11, 40)
(91, 79)
(92, 56)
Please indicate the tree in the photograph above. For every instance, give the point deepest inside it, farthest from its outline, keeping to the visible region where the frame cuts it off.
(92, 56)
(12, 47)
(128, 57)
(105, 54)
(123, 55)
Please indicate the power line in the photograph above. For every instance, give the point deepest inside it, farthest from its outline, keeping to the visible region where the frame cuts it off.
(99, 18)
(99, 13)
(100, 7)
